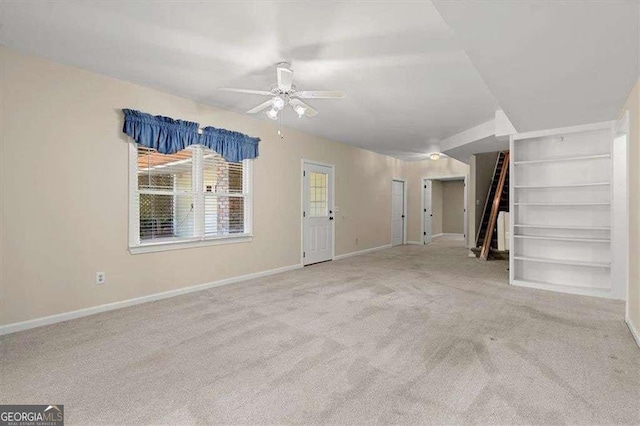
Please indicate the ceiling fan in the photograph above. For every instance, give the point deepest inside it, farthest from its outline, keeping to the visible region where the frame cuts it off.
(285, 92)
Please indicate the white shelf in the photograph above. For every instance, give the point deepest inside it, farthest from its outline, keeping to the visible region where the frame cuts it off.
(556, 160)
(569, 228)
(564, 261)
(545, 237)
(562, 204)
(563, 288)
(568, 185)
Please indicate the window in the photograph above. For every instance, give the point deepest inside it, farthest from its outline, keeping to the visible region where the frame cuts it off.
(317, 194)
(193, 197)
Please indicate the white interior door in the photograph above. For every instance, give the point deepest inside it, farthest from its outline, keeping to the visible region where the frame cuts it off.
(427, 211)
(397, 212)
(317, 215)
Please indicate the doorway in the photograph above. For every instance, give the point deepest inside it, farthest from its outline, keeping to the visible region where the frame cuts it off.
(398, 209)
(444, 207)
(317, 212)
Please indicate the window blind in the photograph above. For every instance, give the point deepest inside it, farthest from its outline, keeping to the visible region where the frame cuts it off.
(191, 194)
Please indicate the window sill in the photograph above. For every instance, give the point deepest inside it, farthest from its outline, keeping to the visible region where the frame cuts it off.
(185, 244)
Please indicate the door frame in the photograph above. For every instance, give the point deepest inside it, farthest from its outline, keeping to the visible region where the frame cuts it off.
(331, 205)
(463, 178)
(404, 209)
(423, 213)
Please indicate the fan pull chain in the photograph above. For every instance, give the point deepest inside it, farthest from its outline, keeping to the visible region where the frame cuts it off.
(280, 125)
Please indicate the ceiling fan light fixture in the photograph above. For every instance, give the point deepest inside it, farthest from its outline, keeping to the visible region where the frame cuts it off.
(272, 114)
(278, 103)
(300, 110)
(434, 156)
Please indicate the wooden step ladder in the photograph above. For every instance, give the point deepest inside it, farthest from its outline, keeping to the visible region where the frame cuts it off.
(497, 201)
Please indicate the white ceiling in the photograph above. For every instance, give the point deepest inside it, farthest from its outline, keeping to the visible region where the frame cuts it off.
(407, 73)
(407, 79)
(551, 63)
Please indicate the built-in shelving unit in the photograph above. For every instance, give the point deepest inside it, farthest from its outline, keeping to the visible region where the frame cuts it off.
(561, 196)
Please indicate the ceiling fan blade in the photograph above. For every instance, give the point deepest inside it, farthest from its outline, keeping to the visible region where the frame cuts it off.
(249, 91)
(320, 94)
(285, 77)
(309, 112)
(264, 105)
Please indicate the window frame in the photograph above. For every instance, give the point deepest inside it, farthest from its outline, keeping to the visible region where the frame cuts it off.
(137, 246)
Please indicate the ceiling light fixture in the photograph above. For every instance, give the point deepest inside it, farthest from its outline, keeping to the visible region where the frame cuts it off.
(300, 110)
(434, 156)
(278, 103)
(272, 114)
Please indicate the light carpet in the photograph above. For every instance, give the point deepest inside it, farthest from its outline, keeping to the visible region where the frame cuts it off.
(411, 335)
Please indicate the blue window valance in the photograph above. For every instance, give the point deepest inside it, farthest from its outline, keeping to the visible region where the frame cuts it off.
(167, 136)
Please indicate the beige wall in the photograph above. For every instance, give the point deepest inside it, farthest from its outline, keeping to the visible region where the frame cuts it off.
(436, 207)
(453, 207)
(633, 106)
(64, 182)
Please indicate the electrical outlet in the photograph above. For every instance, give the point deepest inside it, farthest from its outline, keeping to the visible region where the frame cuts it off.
(101, 277)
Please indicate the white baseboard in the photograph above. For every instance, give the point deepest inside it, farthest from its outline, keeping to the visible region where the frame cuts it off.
(634, 332)
(415, 243)
(66, 316)
(437, 235)
(357, 253)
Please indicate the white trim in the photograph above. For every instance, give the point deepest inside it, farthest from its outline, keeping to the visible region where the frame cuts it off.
(422, 188)
(634, 332)
(465, 218)
(136, 246)
(415, 243)
(512, 215)
(564, 130)
(178, 245)
(423, 215)
(404, 208)
(365, 251)
(134, 217)
(621, 128)
(66, 316)
(558, 288)
(620, 213)
(437, 235)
